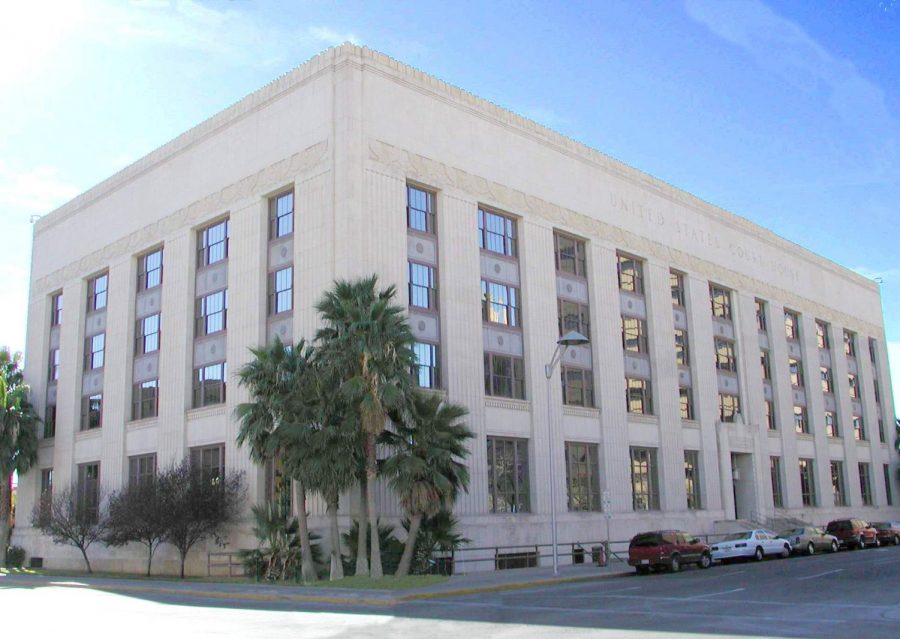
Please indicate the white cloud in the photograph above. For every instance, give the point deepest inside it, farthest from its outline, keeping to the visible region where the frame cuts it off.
(36, 190)
(330, 37)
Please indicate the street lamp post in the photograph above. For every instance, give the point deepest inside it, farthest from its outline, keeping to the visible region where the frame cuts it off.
(572, 338)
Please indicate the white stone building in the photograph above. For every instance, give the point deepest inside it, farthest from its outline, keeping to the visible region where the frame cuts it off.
(753, 366)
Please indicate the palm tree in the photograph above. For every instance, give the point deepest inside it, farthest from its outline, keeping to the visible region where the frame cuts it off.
(18, 435)
(426, 469)
(366, 342)
(274, 377)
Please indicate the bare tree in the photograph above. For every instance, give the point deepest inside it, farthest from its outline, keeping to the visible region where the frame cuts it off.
(74, 517)
(138, 513)
(199, 505)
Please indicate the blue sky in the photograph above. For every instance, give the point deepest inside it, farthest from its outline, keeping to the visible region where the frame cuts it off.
(786, 113)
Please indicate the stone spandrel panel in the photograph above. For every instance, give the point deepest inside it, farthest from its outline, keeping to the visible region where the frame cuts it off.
(425, 326)
(684, 376)
(212, 278)
(209, 350)
(723, 328)
(504, 341)
(727, 383)
(421, 249)
(578, 356)
(679, 316)
(852, 366)
(92, 382)
(829, 402)
(282, 328)
(824, 358)
(281, 253)
(794, 349)
(768, 394)
(856, 407)
(799, 396)
(148, 302)
(51, 394)
(572, 288)
(146, 367)
(632, 305)
(500, 271)
(54, 337)
(637, 366)
(764, 341)
(95, 323)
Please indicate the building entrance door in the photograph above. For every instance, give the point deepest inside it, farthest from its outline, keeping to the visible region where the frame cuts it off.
(743, 482)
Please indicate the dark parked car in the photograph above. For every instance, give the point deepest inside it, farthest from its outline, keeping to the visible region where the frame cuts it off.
(888, 532)
(853, 533)
(667, 549)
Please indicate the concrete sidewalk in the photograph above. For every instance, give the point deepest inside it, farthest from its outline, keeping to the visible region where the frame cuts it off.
(487, 581)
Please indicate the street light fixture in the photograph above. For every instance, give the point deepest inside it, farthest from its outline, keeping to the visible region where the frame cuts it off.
(572, 338)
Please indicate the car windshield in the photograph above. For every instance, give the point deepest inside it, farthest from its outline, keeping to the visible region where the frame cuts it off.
(840, 525)
(737, 536)
(791, 532)
(880, 524)
(645, 540)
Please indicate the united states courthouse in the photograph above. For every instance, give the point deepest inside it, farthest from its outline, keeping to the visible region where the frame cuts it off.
(730, 374)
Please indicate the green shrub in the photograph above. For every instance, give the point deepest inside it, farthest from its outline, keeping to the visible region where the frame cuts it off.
(15, 557)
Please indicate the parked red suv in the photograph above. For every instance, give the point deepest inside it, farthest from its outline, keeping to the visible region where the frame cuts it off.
(853, 533)
(667, 548)
(888, 532)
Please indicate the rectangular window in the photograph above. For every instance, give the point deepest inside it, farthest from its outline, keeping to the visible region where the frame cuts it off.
(145, 399)
(877, 390)
(582, 477)
(631, 273)
(831, 424)
(638, 396)
(212, 243)
(422, 287)
(644, 491)
(686, 402)
(504, 376)
(281, 291)
(801, 422)
(807, 482)
(676, 283)
(634, 335)
(726, 358)
(46, 497)
(850, 343)
(771, 422)
(865, 484)
(796, 372)
(56, 310)
(682, 351)
(97, 292)
(50, 421)
(497, 233)
(499, 303)
(573, 317)
(209, 461)
(281, 215)
(761, 324)
(53, 373)
(427, 369)
(822, 340)
(209, 385)
(88, 488)
(888, 492)
(150, 270)
(94, 349)
(859, 428)
(211, 313)
(420, 209)
(837, 483)
(720, 298)
(853, 382)
(873, 348)
(92, 412)
(881, 435)
(570, 255)
(577, 386)
(508, 490)
(692, 479)
(791, 325)
(729, 407)
(775, 473)
(141, 469)
(827, 380)
(765, 364)
(146, 338)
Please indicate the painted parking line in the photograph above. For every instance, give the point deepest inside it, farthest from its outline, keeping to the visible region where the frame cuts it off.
(713, 594)
(600, 594)
(821, 574)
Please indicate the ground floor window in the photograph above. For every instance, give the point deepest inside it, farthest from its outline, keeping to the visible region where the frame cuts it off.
(644, 490)
(582, 476)
(807, 482)
(508, 490)
(692, 479)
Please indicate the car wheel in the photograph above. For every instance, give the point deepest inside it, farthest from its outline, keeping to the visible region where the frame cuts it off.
(876, 542)
(810, 548)
(642, 570)
(897, 540)
(786, 552)
(834, 546)
(675, 564)
(860, 543)
(705, 561)
(759, 554)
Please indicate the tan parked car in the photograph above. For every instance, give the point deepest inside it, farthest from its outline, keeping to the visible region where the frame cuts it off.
(809, 539)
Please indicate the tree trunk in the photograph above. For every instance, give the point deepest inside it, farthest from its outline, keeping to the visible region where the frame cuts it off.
(150, 557)
(307, 567)
(337, 566)
(362, 543)
(86, 560)
(183, 557)
(415, 521)
(375, 570)
(4, 517)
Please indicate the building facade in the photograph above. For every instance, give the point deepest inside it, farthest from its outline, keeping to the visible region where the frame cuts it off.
(730, 374)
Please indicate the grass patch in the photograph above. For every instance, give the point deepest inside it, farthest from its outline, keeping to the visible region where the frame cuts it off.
(17, 571)
(385, 583)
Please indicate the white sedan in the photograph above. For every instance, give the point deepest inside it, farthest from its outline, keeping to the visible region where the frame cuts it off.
(755, 544)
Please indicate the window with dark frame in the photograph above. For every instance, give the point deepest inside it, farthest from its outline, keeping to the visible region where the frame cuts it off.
(508, 480)
(97, 292)
(95, 347)
(497, 233)
(573, 316)
(53, 374)
(420, 209)
(771, 421)
(281, 290)
(888, 492)
(676, 284)
(807, 482)
(631, 273)
(577, 386)
(682, 350)
(500, 304)
(859, 429)
(46, 496)
(822, 340)
(827, 380)
(775, 474)
(56, 308)
(638, 396)
(831, 424)
(881, 434)
(795, 368)
(865, 484)
(765, 364)
(145, 399)
(92, 411)
(422, 286)
(209, 384)
(212, 313)
(209, 461)
(644, 486)
(504, 376)
(570, 255)
(853, 382)
(726, 358)
(212, 243)
(720, 300)
(141, 469)
(50, 421)
(801, 421)
(762, 325)
(837, 483)
(147, 335)
(150, 267)
(692, 479)
(582, 477)
(850, 343)
(281, 215)
(729, 407)
(427, 369)
(634, 335)
(791, 325)
(686, 402)
(88, 491)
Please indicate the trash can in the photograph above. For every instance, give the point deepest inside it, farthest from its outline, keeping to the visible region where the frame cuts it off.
(598, 555)
(577, 555)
